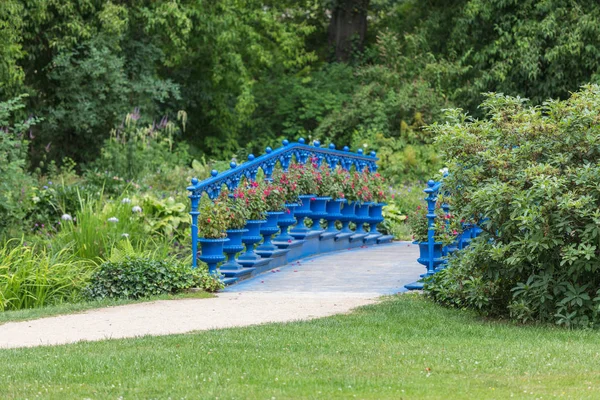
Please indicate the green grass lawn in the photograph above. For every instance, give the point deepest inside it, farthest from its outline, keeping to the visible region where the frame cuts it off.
(70, 308)
(405, 347)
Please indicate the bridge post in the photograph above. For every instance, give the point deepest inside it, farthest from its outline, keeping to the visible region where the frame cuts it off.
(195, 199)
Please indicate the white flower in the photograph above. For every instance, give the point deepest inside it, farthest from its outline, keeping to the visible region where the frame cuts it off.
(125, 235)
(444, 171)
(36, 199)
(66, 217)
(365, 145)
(126, 200)
(136, 209)
(113, 219)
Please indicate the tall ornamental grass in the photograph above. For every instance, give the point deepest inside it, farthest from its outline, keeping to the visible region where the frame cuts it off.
(32, 276)
(99, 225)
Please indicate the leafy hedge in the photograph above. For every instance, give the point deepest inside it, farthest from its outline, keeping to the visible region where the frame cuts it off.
(134, 278)
(534, 172)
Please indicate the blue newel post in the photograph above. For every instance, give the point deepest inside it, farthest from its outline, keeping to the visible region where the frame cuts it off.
(195, 199)
(430, 251)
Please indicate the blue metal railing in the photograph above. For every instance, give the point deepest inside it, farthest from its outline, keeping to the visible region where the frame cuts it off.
(299, 151)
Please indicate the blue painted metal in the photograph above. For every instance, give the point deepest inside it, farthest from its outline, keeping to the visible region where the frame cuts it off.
(285, 221)
(375, 217)
(318, 211)
(301, 212)
(300, 241)
(212, 253)
(250, 238)
(361, 217)
(333, 214)
(267, 230)
(300, 151)
(429, 249)
(347, 215)
(434, 255)
(231, 248)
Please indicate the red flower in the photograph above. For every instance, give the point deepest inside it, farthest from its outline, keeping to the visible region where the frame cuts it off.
(208, 220)
(313, 198)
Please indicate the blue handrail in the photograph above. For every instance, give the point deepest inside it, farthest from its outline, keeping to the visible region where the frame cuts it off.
(283, 155)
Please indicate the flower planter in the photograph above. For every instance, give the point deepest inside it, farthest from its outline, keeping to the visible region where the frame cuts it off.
(375, 217)
(333, 209)
(285, 221)
(212, 253)
(430, 262)
(233, 247)
(301, 212)
(347, 215)
(362, 216)
(250, 238)
(318, 208)
(268, 229)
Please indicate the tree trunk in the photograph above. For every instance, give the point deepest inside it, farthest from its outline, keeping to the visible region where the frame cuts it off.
(348, 27)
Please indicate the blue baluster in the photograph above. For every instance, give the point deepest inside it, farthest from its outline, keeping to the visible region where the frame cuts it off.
(195, 200)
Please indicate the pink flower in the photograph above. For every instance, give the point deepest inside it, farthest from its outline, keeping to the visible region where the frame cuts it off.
(313, 198)
(208, 220)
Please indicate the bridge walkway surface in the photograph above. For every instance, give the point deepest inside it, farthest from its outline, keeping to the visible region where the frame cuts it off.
(311, 288)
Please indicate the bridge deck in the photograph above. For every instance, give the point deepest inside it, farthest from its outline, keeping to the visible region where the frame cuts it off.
(378, 270)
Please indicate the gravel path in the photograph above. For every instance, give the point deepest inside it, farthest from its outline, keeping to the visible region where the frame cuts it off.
(313, 288)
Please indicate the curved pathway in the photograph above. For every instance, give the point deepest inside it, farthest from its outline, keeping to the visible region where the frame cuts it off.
(311, 288)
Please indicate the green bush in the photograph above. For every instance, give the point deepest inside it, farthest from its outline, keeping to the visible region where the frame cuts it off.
(32, 277)
(534, 173)
(15, 182)
(138, 277)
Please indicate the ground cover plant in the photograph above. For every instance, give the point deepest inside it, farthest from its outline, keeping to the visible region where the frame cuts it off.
(406, 347)
(529, 176)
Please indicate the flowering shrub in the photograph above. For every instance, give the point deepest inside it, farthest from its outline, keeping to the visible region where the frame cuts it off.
(446, 226)
(378, 187)
(305, 176)
(330, 185)
(236, 210)
(253, 197)
(274, 197)
(213, 219)
(360, 181)
(287, 182)
(534, 174)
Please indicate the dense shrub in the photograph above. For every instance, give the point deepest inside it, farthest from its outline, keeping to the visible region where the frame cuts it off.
(534, 174)
(15, 182)
(137, 277)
